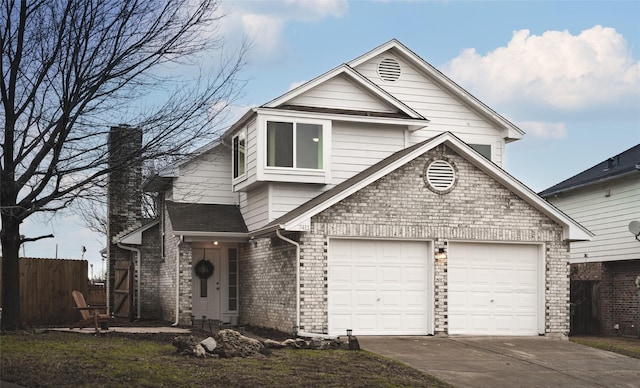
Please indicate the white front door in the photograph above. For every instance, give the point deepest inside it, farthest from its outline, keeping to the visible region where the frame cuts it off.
(379, 287)
(206, 292)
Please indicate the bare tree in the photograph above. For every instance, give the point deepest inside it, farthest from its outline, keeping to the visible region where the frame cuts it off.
(69, 70)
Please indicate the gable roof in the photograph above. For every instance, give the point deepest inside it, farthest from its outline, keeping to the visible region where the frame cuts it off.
(300, 217)
(205, 219)
(133, 235)
(512, 132)
(358, 79)
(625, 163)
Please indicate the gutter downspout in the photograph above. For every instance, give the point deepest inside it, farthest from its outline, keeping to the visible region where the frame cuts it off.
(297, 245)
(178, 282)
(137, 252)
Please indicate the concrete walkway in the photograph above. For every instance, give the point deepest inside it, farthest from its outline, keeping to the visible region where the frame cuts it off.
(509, 361)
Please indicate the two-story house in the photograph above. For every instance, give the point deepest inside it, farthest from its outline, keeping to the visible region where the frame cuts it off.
(371, 198)
(605, 271)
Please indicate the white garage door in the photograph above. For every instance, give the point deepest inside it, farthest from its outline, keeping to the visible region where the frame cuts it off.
(378, 287)
(493, 289)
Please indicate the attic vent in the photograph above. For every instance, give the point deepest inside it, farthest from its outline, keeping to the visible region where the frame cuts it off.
(389, 70)
(440, 176)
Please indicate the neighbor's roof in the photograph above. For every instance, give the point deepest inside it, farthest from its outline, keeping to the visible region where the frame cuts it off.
(187, 218)
(620, 165)
(300, 217)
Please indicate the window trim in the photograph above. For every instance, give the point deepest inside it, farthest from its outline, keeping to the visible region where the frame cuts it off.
(242, 133)
(293, 174)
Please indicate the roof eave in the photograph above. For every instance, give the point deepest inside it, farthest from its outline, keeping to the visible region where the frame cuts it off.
(412, 124)
(587, 184)
(190, 235)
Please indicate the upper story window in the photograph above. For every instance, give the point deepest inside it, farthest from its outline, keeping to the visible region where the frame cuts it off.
(239, 154)
(482, 149)
(294, 144)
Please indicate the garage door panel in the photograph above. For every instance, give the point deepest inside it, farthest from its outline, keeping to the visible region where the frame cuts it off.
(364, 299)
(493, 288)
(389, 287)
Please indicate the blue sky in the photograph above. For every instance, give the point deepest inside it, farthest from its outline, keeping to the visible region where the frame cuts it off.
(568, 73)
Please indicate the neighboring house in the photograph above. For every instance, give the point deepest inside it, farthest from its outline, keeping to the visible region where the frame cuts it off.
(371, 198)
(604, 271)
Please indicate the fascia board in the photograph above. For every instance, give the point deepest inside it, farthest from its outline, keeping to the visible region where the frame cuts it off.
(572, 230)
(241, 122)
(413, 124)
(135, 237)
(356, 77)
(219, 235)
(511, 131)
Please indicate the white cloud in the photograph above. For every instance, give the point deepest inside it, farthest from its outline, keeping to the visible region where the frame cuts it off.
(544, 130)
(263, 22)
(555, 69)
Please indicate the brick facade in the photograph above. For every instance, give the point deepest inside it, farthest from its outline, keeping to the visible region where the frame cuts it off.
(400, 206)
(619, 298)
(267, 284)
(149, 273)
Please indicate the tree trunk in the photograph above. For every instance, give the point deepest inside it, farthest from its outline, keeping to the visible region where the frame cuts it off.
(10, 239)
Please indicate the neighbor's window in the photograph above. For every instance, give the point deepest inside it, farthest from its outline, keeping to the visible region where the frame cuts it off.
(482, 149)
(294, 144)
(239, 154)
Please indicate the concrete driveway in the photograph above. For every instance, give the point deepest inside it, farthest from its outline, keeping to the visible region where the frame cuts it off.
(509, 361)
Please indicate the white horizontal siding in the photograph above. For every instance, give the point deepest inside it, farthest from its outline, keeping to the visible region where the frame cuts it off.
(606, 210)
(287, 196)
(206, 179)
(254, 206)
(358, 146)
(426, 97)
(341, 93)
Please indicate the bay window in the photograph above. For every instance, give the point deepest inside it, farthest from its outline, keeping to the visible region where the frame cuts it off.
(295, 145)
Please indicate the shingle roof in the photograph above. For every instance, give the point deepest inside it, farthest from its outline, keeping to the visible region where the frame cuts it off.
(621, 164)
(198, 217)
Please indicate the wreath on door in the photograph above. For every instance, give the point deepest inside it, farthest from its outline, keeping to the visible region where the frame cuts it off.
(203, 269)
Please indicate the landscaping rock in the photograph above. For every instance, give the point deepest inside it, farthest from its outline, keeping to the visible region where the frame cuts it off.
(271, 344)
(318, 343)
(199, 351)
(184, 344)
(230, 343)
(209, 344)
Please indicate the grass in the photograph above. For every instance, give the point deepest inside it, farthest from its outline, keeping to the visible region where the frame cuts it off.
(54, 359)
(622, 345)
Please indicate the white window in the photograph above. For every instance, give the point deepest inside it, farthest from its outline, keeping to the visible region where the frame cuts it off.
(293, 149)
(239, 154)
(294, 144)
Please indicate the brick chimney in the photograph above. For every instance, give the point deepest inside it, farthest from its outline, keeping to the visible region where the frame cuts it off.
(124, 191)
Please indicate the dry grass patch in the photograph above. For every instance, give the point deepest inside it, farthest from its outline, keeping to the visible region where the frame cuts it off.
(55, 359)
(621, 345)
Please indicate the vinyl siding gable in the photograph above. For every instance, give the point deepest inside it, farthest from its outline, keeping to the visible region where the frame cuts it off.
(341, 93)
(606, 210)
(205, 179)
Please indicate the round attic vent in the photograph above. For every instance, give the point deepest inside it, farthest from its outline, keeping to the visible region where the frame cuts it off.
(440, 176)
(389, 70)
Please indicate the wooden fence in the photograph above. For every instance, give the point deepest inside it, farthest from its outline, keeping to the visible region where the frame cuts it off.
(45, 290)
